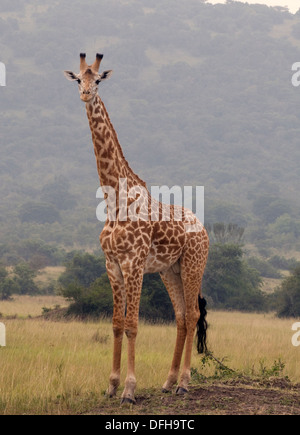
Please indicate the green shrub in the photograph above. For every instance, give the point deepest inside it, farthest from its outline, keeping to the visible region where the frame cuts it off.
(229, 282)
(288, 295)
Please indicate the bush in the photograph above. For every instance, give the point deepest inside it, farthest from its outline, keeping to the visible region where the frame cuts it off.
(93, 301)
(7, 285)
(288, 295)
(96, 299)
(229, 282)
(86, 284)
(283, 263)
(82, 270)
(24, 279)
(264, 267)
(155, 301)
(31, 249)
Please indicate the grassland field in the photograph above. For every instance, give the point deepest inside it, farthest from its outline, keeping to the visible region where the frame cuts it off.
(62, 367)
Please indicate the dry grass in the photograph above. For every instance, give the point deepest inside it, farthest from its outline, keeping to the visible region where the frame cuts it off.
(25, 305)
(270, 285)
(63, 367)
(252, 340)
(50, 273)
(51, 367)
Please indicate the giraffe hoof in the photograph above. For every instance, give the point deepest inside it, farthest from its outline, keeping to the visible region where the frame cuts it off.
(165, 390)
(181, 391)
(111, 393)
(127, 401)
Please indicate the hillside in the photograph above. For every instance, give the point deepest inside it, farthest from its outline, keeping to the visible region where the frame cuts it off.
(201, 95)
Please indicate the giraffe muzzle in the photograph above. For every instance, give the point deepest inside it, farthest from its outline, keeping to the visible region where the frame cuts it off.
(86, 96)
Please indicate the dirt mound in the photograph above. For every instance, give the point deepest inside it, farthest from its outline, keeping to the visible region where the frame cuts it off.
(274, 396)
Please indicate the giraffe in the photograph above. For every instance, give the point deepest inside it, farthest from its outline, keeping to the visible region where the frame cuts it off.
(143, 242)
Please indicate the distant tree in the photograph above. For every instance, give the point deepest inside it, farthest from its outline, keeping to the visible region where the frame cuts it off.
(283, 263)
(230, 282)
(38, 262)
(288, 295)
(82, 270)
(155, 301)
(92, 301)
(4, 248)
(39, 254)
(7, 285)
(225, 233)
(87, 286)
(24, 279)
(226, 213)
(285, 224)
(38, 212)
(269, 208)
(264, 267)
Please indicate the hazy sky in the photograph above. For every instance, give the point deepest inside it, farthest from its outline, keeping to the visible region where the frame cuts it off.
(293, 5)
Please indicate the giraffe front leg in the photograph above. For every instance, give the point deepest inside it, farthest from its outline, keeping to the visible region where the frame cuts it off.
(114, 379)
(118, 288)
(130, 381)
(133, 284)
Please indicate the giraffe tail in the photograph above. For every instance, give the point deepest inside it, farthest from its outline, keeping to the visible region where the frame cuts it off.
(202, 327)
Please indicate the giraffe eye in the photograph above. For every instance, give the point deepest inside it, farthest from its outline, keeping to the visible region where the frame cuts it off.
(78, 81)
(97, 82)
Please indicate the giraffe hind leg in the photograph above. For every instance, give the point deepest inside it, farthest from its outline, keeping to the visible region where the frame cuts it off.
(172, 280)
(191, 274)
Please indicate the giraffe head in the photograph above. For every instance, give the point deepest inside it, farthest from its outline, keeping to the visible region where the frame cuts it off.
(88, 78)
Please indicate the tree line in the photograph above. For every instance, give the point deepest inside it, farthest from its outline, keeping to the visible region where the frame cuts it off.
(232, 280)
(229, 283)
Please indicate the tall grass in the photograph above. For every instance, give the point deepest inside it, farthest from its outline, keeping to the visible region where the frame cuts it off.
(63, 367)
(250, 341)
(50, 367)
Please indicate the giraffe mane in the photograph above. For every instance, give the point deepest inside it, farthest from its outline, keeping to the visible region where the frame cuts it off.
(115, 136)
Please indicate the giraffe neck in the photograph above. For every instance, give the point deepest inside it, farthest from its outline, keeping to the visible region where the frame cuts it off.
(111, 163)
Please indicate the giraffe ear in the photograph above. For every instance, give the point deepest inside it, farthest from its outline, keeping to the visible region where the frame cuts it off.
(70, 76)
(104, 76)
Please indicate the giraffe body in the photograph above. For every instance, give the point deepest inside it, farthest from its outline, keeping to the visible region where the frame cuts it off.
(142, 242)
